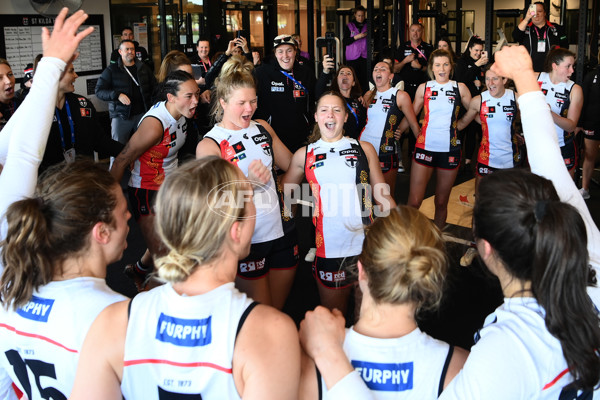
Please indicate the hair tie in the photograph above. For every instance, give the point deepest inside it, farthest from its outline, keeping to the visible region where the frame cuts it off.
(40, 201)
(540, 210)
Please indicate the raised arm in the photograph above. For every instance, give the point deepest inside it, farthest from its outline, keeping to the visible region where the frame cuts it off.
(543, 151)
(20, 153)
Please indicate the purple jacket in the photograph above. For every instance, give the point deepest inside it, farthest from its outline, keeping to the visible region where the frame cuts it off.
(359, 47)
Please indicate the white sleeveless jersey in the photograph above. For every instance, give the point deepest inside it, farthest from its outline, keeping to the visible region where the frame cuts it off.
(441, 104)
(241, 148)
(514, 357)
(383, 118)
(497, 116)
(409, 367)
(338, 174)
(149, 171)
(558, 98)
(40, 342)
(182, 347)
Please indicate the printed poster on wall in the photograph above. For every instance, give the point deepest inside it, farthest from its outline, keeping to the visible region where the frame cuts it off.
(21, 41)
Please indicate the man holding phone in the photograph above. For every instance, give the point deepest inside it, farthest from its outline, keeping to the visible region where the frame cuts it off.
(539, 35)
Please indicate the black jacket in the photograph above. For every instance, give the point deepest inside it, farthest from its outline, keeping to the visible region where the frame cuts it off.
(89, 134)
(115, 80)
(467, 72)
(140, 52)
(590, 117)
(554, 37)
(286, 106)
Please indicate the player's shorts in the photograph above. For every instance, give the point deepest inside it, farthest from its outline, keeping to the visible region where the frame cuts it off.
(335, 273)
(438, 159)
(483, 170)
(569, 152)
(592, 134)
(142, 201)
(281, 253)
(388, 162)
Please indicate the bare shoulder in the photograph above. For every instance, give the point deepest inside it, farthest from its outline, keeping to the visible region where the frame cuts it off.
(207, 147)
(100, 367)
(456, 363)
(366, 146)
(268, 319)
(266, 359)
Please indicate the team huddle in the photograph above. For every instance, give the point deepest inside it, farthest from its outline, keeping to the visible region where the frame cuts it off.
(222, 245)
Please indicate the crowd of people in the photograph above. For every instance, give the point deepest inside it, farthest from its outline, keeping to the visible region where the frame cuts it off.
(217, 152)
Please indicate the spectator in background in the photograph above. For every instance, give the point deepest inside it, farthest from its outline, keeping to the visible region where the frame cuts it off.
(445, 44)
(8, 102)
(27, 79)
(538, 35)
(202, 60)
(127, 85)
(302, 57)
(469, 70)
(301, 53)
(140, 52)
(285, 94)
(76, 129)
(355, 40)
(415, 54)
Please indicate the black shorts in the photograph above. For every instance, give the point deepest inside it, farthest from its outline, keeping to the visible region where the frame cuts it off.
(335, 273)
(569, 155)
(388, 162)
(142, 201)
(592, 134)
(483, 170)
(438, 159)
(281, 253)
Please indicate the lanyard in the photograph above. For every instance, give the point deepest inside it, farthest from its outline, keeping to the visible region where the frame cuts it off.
(353, 113)
(420, 52)
(538, 33)
(129, 72)
(293, 79)
(60, 127)
(204, 65)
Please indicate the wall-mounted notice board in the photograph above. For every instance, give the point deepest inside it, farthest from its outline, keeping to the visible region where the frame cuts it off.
(21, 41)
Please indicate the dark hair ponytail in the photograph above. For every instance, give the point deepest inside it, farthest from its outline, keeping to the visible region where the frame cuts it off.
(171, 84)
(55, 225)
(542, 240)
